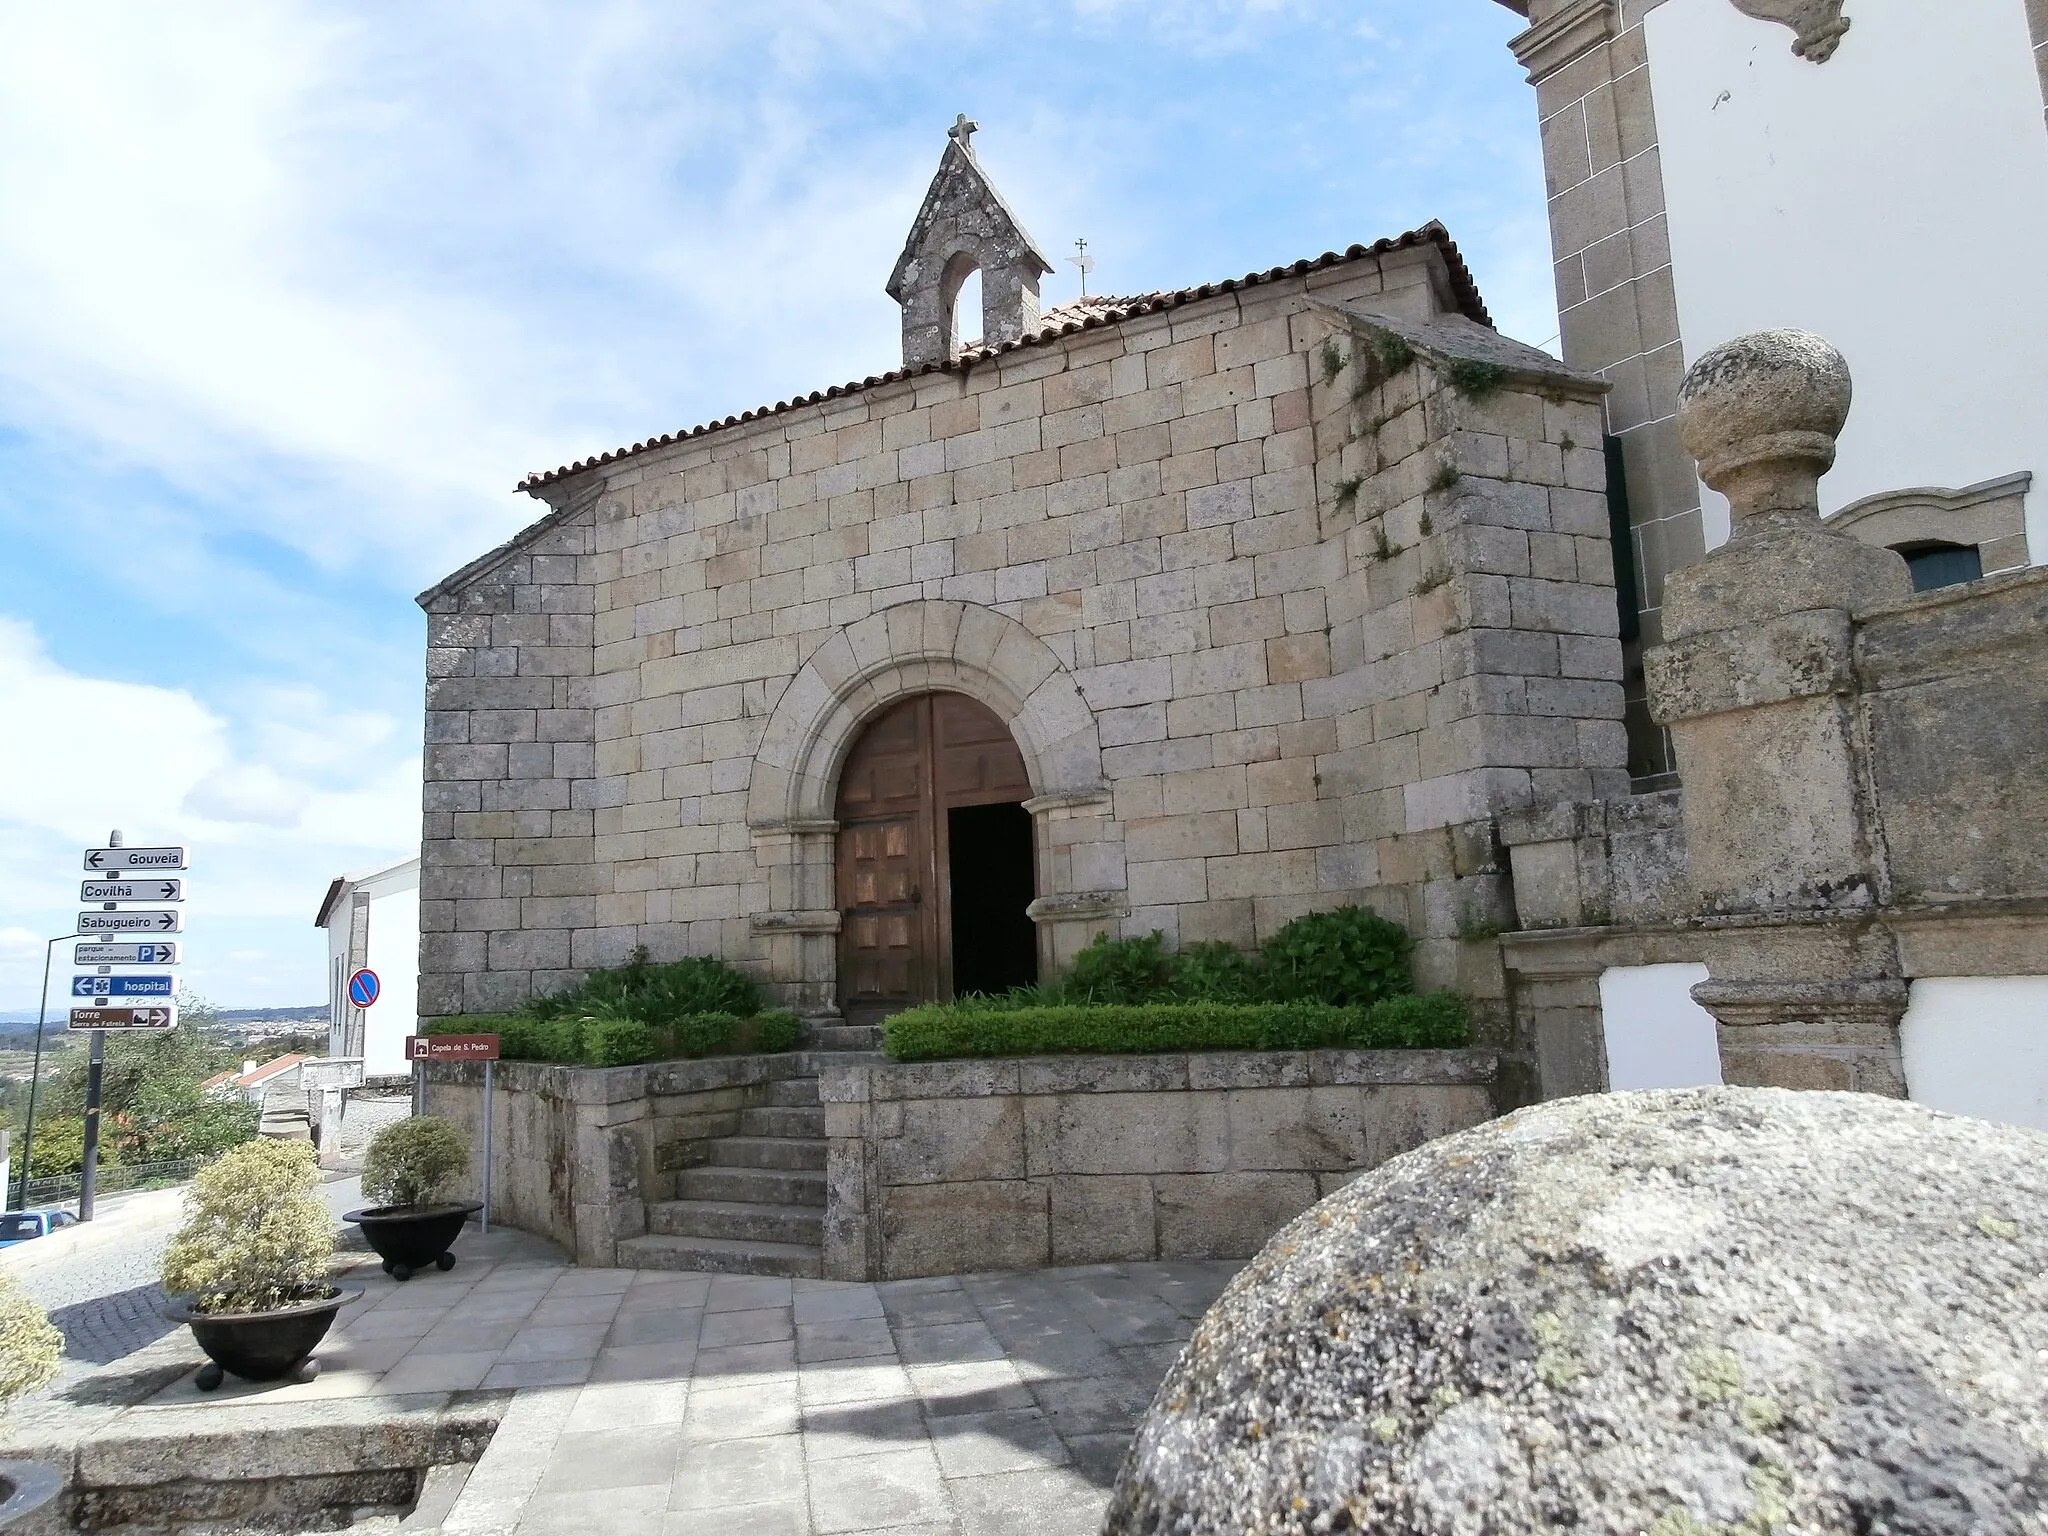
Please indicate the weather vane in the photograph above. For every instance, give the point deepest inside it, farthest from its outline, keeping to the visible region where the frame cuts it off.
(1084, 261)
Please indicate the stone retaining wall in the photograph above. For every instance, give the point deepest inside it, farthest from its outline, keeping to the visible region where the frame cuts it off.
(582, 1151)
(947, 1167)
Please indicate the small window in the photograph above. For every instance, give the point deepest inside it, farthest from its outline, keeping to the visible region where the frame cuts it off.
(14, 1229)
(1941, 565)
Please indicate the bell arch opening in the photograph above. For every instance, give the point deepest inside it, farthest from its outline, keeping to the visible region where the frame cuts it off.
(936, 867)
(960, 290)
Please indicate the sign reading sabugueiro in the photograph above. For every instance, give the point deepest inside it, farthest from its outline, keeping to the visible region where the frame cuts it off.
(164, 1017)
(130, 922)
(451, 1048)
(131, 890)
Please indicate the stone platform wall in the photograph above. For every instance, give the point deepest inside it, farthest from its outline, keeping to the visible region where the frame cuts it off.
(947, 1167)
(582, 1151)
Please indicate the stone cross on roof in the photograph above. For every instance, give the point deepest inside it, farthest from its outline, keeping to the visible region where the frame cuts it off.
(962, 130)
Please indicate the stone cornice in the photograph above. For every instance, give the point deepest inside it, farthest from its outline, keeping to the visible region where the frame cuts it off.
(1564, 35)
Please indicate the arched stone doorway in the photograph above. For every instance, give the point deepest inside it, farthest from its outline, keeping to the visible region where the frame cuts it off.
(935, 865)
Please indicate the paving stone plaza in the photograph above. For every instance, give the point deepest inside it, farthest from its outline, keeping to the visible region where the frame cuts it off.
(645, 1402)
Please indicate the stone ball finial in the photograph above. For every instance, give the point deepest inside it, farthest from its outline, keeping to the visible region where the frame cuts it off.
(1775, 401)
(1709, 1310)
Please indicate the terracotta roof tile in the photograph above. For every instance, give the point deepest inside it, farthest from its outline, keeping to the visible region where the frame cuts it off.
(1077, 315)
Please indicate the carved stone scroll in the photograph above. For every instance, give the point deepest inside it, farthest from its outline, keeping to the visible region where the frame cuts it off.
(1819, 24)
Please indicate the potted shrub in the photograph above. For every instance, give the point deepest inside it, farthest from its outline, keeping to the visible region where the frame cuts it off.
(248, 1270)
(409, 1164)
(30, 1350)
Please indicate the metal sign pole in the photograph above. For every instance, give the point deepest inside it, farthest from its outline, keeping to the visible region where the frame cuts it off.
(35, 1074)
(487, 1145)
(88, 1176)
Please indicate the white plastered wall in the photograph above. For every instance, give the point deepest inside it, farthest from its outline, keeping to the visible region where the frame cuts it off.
(1894, 199)
(395, 957)
(1657, 1036)
(1978, 1045)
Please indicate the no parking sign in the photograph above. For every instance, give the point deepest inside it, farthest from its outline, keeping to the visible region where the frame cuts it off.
(364, 988)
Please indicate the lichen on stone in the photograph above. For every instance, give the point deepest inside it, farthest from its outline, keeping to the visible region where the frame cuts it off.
(1687, 1313)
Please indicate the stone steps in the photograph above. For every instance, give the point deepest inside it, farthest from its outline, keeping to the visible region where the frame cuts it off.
(737, 1220)
(844, 1037)
(770, 1151)
(793, 1093)
(752, 1186)
(722, 1256)
(784, 1120)
(756, 1205)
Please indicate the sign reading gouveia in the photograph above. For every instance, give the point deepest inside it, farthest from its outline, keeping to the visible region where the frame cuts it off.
(134, 858)
(452, 1048)
(165, 1017)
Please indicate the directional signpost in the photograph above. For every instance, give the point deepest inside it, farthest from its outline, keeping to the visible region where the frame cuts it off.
(130, 922)
(97, 1019)
(148, 889)
(111, 859)
(165, 953)
(124, 986)
(118, 875)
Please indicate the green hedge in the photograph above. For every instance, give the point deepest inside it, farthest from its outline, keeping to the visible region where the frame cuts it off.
(611, 1040)
(1001, 1027)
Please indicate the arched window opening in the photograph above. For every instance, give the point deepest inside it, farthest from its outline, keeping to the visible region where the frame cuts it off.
(1935, 564)
(967, 325)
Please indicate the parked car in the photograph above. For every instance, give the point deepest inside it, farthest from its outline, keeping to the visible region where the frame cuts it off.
(20, 1226)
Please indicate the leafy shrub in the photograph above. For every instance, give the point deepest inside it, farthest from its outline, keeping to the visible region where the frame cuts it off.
(30, 1348)
(937, 1031)
(1348, 956)
(255, 1236)
(1345, 957)
(1215, 973)
(410, 1162)
(602, 1038)
(655, 994)
(611, 1041)
(1132, 970)
(60, 1147)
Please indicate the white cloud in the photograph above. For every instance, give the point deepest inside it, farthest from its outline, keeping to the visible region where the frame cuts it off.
(158, 764)
(251, 792)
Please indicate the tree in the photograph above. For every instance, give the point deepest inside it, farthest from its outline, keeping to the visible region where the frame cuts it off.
(151, 1107)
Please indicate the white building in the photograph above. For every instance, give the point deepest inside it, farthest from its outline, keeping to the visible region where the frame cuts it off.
(1872, 170)
(372, 920)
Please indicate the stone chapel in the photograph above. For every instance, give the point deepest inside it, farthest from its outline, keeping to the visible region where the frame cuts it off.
(1188, 611)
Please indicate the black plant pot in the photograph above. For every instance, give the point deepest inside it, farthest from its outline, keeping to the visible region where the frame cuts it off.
(24, 1486)
(262, 1346)
(410, 1237)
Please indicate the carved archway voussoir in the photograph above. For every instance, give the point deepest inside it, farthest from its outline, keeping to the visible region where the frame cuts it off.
(919, 647)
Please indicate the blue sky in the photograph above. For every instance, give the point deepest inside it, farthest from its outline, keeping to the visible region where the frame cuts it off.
(292, 294)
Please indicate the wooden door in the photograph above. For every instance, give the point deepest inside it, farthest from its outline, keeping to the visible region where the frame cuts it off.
(912, 764)
(888, 939)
